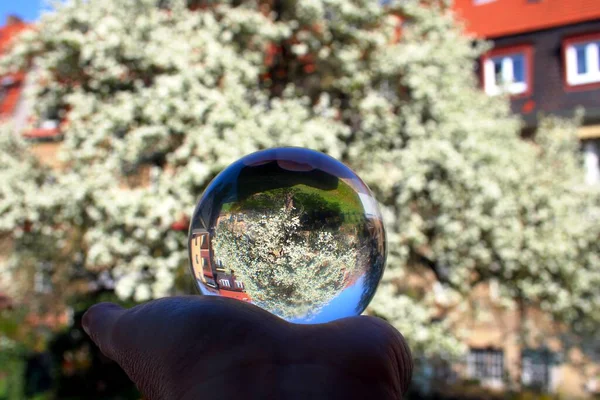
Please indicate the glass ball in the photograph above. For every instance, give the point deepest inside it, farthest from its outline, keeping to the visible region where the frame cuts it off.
(291, 230)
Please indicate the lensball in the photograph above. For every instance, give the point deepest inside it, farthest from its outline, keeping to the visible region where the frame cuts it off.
(291, 230)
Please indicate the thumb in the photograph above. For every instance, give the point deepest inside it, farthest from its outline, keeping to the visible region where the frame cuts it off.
(99, 322)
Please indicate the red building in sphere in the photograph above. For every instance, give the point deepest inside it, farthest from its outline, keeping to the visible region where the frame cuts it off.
(213, 276)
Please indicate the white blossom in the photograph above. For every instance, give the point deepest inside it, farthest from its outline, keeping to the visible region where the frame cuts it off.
(462, 194)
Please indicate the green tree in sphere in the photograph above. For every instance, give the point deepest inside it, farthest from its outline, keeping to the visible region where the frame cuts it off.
(184, 91)
(284, 267)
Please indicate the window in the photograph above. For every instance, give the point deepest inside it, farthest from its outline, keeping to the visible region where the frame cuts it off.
(48, 124)
(5, 84)
(536, 368)
(210, 282)
(239, 285)
(507, 71)
(42, 278)
(486, 365)
(582, 60)
(154, 176)
(591, 154)
(224, 282)
(7, 81)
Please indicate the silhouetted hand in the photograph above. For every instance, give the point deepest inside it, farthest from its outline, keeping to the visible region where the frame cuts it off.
(203, 348)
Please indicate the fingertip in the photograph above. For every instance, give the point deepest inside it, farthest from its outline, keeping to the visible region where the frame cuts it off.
(396, 348)
(400, 350)
(98, 322)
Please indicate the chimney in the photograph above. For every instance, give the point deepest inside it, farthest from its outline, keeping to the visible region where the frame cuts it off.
(13, 20)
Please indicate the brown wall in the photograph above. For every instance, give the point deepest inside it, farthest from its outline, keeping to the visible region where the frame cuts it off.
(482, 322)
(47, 153)
(492, 326)
(549, 94)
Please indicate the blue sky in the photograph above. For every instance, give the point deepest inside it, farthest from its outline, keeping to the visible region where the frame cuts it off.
(29, 10)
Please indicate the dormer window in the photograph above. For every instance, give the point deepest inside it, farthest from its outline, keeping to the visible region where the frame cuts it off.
(507, 71)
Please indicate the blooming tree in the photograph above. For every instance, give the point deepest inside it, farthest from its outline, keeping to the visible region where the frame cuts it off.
(286, 268)
(158, 97)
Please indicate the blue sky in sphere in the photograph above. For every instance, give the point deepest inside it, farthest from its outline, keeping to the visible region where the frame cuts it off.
(341, 306)
(28, 10)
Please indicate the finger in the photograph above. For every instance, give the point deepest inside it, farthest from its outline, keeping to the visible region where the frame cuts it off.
(99, 323)
(398, 351)
(367, 349)
(159, 343)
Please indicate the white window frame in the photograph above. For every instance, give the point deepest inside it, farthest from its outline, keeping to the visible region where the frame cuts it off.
(592, 55)
(224, 282)
(487, 365)
(492, 87)
(591, 155)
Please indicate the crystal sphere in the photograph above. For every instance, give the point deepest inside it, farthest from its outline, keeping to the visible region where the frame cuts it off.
(291, 230)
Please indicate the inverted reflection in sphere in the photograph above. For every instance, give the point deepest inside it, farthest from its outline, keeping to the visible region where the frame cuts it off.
(291, 230)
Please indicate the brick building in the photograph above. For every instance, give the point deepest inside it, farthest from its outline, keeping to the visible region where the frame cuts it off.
(545, 55)
(212, 276)
(11, 86)
(13, 106)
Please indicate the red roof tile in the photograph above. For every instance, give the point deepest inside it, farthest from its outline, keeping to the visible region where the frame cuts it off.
(234, 295)
(42, 133)
(181, 225)
(8, 32)
(9, 100)
(495, 18)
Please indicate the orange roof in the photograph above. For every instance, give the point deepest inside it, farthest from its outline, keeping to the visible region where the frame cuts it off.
(493, 18)
(8, 32)
(234, 295)
(13, 92)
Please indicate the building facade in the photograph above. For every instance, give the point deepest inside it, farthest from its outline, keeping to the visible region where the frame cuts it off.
(546, 57)
(212, 276)
(13, 105)
(11, 86)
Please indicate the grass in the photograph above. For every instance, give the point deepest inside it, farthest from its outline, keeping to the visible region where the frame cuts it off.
(11, 380)
(3, 388)
(340, 201)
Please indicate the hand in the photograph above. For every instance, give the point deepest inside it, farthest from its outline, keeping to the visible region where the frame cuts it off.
(201, 347)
